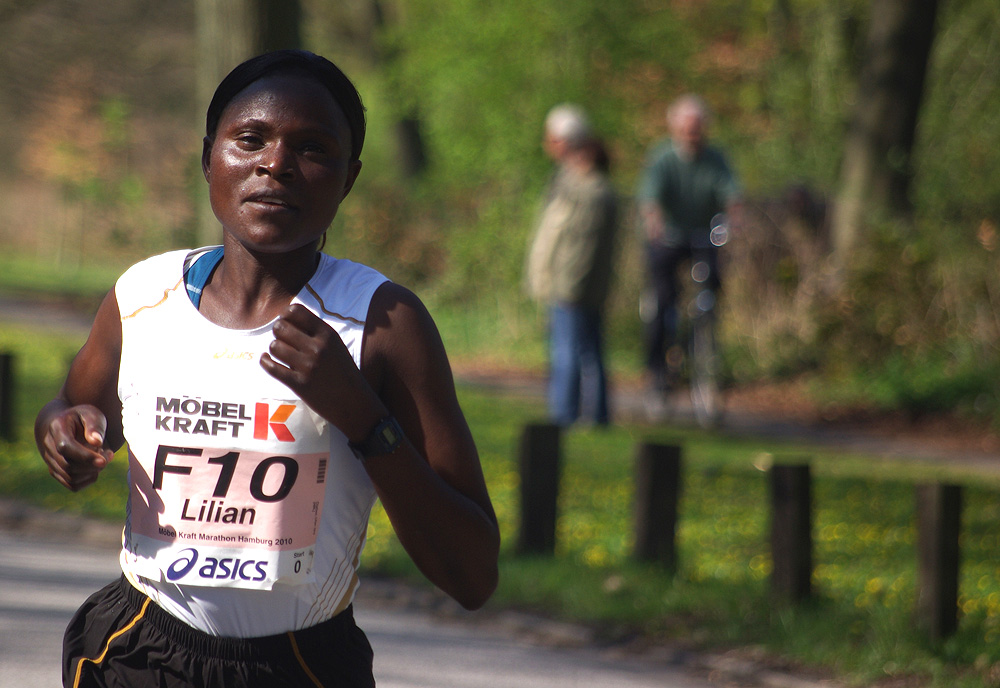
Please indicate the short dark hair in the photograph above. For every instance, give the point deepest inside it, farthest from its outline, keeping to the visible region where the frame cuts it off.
(294, 62)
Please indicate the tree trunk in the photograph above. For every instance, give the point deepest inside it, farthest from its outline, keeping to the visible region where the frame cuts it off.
(409, 137)
(228, 32)
(876, 169)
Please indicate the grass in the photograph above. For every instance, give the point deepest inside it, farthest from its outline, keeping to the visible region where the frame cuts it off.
(82, 284)
(40, 362)
(859, 626)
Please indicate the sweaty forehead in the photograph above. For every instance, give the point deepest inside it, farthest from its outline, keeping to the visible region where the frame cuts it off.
(286, 95)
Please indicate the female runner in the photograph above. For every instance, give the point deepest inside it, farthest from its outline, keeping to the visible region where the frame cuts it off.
(267, 392)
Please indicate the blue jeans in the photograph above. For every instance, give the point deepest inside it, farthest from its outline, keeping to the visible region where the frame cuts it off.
(576, 365)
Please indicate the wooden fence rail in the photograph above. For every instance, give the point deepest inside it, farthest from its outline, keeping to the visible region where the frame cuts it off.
(7, 420)
(791, 531)
(939, 525)
(540, 466)
(657, 492)
(658, 488)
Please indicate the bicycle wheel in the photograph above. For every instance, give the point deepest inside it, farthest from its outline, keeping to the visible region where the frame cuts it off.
(706, 397)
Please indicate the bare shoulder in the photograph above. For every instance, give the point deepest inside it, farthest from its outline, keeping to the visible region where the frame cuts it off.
(404, 360)
(399, 329)
(394, 301)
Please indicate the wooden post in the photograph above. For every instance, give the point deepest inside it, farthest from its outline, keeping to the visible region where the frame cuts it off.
(791, 532)
(7, 397)
(657, 492)
(540, 464)
(939, 524)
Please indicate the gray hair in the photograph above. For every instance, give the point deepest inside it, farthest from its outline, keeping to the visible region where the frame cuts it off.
(569, 123)
(686, 104)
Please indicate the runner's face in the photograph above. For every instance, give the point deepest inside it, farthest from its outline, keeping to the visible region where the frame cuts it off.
(279, 164)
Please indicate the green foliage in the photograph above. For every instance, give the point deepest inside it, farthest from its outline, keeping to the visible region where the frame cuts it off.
(957, 164)
(917, 330)
(483, 76)
(41, 359)
(481, 79)
(85, 285)
(787, 122)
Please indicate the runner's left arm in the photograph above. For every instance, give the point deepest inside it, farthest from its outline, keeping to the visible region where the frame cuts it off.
(432, 485)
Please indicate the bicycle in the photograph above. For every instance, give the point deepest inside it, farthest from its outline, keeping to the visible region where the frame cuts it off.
(695, 354)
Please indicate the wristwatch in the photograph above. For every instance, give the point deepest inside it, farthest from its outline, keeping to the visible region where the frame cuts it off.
(384, 439)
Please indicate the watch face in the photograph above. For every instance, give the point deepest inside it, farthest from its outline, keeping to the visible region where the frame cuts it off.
(389, 436)
(384, 439)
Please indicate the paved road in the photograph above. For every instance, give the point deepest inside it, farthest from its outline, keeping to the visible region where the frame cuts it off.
(413, 650)
(42, 581)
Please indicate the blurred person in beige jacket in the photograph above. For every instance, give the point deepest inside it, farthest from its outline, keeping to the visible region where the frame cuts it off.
(569, 266)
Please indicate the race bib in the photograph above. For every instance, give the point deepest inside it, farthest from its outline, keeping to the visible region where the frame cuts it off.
(241, 508)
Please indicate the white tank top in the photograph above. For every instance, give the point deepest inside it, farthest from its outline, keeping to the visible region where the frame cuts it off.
(247, 511)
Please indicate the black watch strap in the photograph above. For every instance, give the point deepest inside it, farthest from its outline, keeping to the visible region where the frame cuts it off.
(384, 439)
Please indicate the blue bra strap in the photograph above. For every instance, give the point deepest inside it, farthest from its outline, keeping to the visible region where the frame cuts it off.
(196, 276)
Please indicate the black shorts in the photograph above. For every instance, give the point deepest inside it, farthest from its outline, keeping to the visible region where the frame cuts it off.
(119, 638)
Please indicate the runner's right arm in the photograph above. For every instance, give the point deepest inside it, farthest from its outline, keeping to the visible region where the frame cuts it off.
(78, 432)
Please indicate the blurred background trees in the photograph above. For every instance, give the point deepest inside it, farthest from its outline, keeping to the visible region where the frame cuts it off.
(228, 32)
(815, 101)
(876, 168)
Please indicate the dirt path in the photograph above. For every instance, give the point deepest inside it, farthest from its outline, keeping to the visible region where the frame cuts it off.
(49, 314)
(786, 412)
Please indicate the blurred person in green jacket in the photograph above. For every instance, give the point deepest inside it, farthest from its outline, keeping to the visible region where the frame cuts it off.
(684, 184)
(569, 266)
